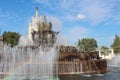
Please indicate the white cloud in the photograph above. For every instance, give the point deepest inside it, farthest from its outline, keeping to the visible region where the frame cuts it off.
(81, 16)
(68, 18)
(75, 33)
(77, 29)
(5, 14)
(93, 11)
(97, 11)
(66, 4)
(57, 25)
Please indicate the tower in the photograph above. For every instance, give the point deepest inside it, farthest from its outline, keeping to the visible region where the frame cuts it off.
(34, 25)
(37, 14)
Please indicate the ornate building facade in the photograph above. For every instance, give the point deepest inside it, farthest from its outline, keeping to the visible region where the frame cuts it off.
(40, 30)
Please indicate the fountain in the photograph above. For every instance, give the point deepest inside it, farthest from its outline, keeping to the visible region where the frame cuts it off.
(33, 57)
(27, 62)
(40, 56)
(114, 63)
(74, 62)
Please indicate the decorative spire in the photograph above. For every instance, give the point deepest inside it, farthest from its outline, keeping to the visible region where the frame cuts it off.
(36, 12)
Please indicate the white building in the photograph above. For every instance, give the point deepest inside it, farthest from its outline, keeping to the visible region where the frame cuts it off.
(106, 54)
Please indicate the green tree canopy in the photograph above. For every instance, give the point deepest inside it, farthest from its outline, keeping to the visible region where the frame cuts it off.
(104, 50)
(116, 44)
(11, 38)
(87, 44)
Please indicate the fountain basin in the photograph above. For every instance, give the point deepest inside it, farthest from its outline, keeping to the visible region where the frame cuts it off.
(82, 67)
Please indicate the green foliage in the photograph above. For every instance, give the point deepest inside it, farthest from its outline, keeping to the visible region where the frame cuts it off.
(104, 50)
(116, 44)
(11, 38)
(104, 47)
(87, 44)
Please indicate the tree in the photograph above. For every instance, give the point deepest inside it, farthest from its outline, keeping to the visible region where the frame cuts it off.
(11, 38)
(104, 50)
(87, 44)
(116, 44)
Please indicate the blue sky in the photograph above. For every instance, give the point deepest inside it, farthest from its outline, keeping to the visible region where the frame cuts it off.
(77, 19)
